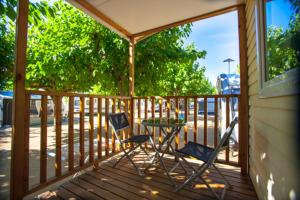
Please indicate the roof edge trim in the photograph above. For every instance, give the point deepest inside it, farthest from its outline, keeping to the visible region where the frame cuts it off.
(152, 31)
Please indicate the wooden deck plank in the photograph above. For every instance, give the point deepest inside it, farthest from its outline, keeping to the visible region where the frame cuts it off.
(112, 186)
(215, 176)
(94, 188)
(80, 191)
(165, 191)
(123, 182)
(163, 179)
(237, 186)
(66, 194)
(162, 185)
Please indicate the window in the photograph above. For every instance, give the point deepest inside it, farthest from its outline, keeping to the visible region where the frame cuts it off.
(278, 36)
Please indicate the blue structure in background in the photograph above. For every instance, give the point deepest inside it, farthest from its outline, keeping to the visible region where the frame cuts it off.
(7, 93)
(228, 84)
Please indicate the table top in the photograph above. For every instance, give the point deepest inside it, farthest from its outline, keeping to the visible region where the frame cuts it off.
(164, 122)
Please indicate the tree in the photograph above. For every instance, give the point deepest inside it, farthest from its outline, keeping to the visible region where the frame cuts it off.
(69, 51)
(64, 52)
(79, 54)
(6, 55)
(163, 63)
(37, 12)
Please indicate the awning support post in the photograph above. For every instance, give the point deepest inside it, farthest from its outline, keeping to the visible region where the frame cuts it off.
(19, 163)
(243, 104)
(131, 80)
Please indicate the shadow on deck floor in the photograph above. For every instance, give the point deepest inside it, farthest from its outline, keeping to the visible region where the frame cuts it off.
(123, 182)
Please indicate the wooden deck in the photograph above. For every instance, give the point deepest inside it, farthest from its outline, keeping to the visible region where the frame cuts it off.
(123, 182)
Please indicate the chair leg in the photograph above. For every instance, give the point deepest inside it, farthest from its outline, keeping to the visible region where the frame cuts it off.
(179, 163)
(144, 150)
(225, 179)
(193, 176)
(212, 190)
(126, 154)
(186, 182)
(136, 168)
(118, 161)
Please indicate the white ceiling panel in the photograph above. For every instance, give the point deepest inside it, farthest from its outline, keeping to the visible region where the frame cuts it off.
(136, 16)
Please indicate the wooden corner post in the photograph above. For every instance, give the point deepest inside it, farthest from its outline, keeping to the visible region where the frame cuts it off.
(131, 81)
(18, 179)
(243, 101)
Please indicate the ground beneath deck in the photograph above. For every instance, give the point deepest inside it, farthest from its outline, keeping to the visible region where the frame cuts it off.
(123, 182)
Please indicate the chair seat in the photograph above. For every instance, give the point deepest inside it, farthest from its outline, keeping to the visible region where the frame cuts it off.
(137, 139)
(198, 151)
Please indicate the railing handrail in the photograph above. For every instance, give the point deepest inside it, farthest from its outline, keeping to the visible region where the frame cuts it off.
(188, 96)
(55, 93)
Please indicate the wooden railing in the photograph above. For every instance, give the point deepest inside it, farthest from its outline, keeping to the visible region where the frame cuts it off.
(204, 125)
(88, 113)
(79, 136)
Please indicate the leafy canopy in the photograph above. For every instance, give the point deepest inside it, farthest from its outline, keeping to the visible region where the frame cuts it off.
(37, 12)
(69, 51)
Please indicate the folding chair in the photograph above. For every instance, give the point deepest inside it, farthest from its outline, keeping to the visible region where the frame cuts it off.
(120, 122)
(208, 156)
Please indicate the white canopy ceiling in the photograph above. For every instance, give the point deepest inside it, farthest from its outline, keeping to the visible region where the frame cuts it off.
(135, 18)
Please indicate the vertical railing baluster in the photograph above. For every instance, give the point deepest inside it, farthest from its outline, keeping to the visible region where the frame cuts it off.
(91, 130)
(168, 112)
(186, 119)
(26, 142)
(227, 124)
(205, 122)
(146, 111)
(176, 117)
(118, 105)
(195, 120)
(99, 131)
(131, 116)
(81, 132)
(43, 144)
(216, 123)
(106, 128)
(71, 134)
(139, 116)
(118, 109)
(153, 115)
(160, 116)
(125, 109)
(146, 116)
(240, 134)
(113, 110)
(58, 136)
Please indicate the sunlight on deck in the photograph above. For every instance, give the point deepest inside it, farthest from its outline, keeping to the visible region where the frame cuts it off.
(123, 182)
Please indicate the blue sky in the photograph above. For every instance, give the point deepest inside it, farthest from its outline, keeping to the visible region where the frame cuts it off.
(219, 37)
(279, 13)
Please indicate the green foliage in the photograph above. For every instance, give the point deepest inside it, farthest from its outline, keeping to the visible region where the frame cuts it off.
(75, 54)
(6, 55)
(69, 51)
(169, 68)
(37, 12)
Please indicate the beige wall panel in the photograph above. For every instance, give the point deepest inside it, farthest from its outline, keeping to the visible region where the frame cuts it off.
(272, 121)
